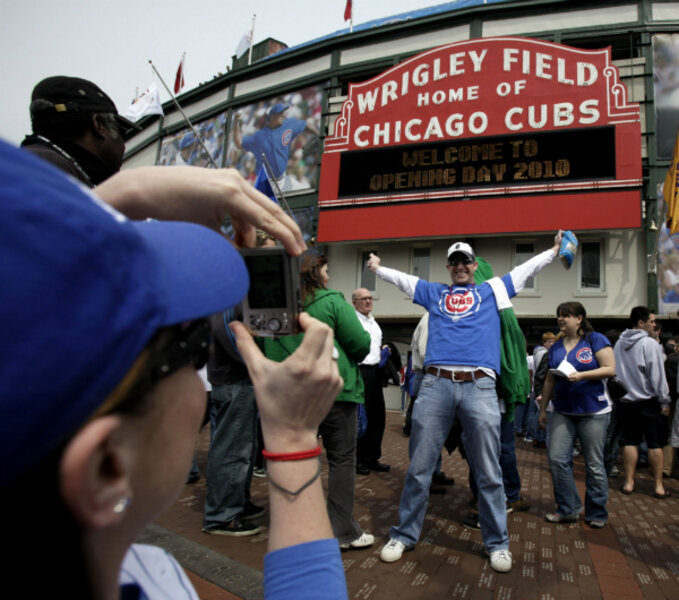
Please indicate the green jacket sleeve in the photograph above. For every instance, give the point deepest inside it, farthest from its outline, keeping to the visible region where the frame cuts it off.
(349, 332)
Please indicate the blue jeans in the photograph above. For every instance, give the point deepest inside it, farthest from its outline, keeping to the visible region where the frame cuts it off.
(533, 429)
(233, 445)
(511, 480)
(520, 420)
(591, 430)
(476, 405)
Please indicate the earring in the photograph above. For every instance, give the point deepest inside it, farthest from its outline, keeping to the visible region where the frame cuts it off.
(122, 505)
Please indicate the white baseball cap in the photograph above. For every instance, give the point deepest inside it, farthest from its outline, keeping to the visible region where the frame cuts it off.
(463, 248)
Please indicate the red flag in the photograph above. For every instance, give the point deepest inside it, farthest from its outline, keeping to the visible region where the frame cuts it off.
(347, 11)
(179, 78)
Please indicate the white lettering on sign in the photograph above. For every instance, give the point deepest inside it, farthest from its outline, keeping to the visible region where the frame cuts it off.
(562, 115)
(541, 65)
(420, 76)
(517, 118)
(453, 95)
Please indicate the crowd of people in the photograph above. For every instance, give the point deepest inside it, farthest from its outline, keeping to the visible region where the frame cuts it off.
(135, 287)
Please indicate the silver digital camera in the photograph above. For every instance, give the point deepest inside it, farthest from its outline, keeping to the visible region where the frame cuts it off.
(273, 302)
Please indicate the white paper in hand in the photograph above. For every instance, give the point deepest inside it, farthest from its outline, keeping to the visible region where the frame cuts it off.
(563, 370)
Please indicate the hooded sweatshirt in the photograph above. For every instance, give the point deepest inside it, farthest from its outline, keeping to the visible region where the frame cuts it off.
(639, 365)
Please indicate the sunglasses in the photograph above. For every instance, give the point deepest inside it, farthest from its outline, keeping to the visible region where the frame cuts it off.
(191, 345)
(456, 260)
(184, 344)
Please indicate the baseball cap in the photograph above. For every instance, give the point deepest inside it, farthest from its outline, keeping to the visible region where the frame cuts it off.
(85, 290)
(463, 248)
(277, 108)
(187, 141)
(63, 94)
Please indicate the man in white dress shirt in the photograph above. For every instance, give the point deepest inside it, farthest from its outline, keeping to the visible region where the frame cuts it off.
(369, 447)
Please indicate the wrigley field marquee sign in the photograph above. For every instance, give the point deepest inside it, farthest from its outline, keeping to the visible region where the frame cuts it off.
(532, 135)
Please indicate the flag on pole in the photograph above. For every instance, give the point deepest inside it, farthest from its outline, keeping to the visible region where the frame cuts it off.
(348, 9)
(179, 78)
(671, 191)
(263, 184)
(148, 103)
(244, 44)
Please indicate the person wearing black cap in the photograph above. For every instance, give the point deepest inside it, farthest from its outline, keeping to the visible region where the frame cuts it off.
(77, 128)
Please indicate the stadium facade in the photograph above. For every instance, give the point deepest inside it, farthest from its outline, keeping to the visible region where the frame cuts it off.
(492, 122)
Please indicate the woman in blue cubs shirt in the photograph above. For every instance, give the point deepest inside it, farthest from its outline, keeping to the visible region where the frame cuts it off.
(581, 409)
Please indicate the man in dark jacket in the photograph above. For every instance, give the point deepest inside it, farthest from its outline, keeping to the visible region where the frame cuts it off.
(77, 128)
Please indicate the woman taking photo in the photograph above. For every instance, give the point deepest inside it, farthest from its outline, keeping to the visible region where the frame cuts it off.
(581, 409)
(101, 402)
(338, 430)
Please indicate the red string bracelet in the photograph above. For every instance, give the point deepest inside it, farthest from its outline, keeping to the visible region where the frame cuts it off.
(303, 454)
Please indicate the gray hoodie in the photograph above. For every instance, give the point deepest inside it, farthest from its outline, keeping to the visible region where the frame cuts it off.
(639, 365)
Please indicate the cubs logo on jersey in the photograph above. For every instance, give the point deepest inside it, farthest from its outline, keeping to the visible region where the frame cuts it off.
(459, 302)
(584, 355)
(286, 138)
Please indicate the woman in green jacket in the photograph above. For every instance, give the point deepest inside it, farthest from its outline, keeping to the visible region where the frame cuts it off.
(338, 430)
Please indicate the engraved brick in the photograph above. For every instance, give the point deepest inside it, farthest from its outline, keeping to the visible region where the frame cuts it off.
(408, 567)
(369, 562)
(461, 590)
(366, 590)
(659, 573)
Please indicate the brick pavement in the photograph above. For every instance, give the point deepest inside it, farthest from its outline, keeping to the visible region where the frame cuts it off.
(635, 557)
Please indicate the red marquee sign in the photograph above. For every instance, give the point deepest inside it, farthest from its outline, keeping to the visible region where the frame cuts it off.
(507, 124)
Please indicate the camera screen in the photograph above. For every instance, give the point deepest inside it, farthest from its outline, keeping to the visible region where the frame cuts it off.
(267, 281)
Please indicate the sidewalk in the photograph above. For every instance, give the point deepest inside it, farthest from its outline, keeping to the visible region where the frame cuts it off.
(635, 557)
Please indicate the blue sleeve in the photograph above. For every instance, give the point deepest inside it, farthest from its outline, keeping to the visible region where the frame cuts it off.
(509, 284)
(296, 125)
(305, 572)
(250, 143)
(598, 341)
(421, 295)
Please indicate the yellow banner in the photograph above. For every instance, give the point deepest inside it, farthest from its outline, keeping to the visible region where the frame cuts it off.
(671, 191)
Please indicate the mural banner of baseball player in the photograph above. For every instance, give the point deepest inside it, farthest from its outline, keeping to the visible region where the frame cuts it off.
(666, 91)
(183, 148)
(285, 129)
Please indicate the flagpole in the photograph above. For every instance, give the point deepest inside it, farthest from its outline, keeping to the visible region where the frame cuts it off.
(252, 37)
(200, 140)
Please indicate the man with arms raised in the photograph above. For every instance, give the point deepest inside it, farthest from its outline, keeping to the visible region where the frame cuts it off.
(462, 362)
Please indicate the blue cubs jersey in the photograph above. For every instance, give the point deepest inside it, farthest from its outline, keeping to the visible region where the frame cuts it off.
(464, 323)
(582, 397)
(275, 144)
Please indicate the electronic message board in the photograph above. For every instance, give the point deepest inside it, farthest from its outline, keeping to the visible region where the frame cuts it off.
(508, 123)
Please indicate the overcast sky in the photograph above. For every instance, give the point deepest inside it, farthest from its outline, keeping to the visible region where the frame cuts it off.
(111, 41)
